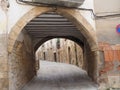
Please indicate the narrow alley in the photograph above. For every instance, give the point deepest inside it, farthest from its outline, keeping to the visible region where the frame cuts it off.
(60, 76)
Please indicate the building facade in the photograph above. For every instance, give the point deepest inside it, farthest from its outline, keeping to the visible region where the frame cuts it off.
(96, 23)
(61, 50)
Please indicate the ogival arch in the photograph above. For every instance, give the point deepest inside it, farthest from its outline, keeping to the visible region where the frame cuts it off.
(72, 15)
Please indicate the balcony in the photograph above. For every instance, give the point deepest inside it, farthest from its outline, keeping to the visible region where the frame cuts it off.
(62, 3)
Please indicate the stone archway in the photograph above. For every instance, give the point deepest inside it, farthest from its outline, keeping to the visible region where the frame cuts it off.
(72, 38)
(75, 17)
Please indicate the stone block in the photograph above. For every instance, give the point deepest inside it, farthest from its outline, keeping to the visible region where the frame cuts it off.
(3, 66)
(114, 81)
(21, 65)
(3, 83)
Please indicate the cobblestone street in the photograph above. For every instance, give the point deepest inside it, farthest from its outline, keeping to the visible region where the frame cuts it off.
(60, 76)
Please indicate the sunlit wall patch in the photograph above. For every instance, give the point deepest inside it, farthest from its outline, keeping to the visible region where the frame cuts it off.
(118, 28)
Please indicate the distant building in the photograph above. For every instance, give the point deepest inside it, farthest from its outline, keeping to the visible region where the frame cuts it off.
(61, 50)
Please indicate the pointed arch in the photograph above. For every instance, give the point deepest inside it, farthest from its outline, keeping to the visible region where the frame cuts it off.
(71, 14)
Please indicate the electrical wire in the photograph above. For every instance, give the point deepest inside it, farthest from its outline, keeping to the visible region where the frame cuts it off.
(54, 5)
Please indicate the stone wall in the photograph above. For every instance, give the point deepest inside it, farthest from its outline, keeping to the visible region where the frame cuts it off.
(4, 84)
(21, 62)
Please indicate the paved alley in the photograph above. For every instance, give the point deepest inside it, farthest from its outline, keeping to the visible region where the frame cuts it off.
(60, 76)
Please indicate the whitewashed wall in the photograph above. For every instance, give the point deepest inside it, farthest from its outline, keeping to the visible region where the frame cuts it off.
(16, 11)
(3, 21)
(88, 4)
